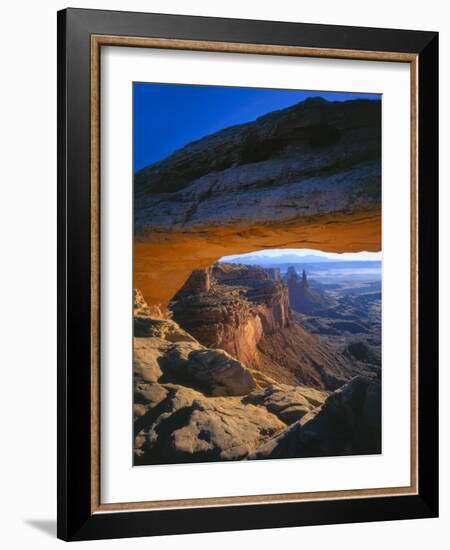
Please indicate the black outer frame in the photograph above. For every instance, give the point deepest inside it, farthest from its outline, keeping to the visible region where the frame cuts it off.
(75, 521)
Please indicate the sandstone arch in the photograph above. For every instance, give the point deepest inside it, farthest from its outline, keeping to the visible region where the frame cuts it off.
(305, 177)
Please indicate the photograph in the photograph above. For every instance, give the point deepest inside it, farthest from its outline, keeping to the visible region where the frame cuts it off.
(257, 326)
(226, 219)
(247, 274)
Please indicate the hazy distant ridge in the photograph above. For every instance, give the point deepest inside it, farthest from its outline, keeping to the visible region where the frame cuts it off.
(255, 259)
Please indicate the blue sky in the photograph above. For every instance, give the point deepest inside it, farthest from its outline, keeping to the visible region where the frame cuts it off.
(349, 256)
(168, 116)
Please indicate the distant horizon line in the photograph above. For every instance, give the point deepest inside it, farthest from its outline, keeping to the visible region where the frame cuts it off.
(278, 254)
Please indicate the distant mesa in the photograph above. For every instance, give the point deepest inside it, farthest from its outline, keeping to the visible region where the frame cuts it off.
(302, 297)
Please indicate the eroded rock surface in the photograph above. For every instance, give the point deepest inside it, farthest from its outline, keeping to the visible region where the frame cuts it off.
(163, 351)
(246, 312)
(214, 372)
(146, 326)
(186, 426)
(289, 403)
(313, 158)
(349, 422)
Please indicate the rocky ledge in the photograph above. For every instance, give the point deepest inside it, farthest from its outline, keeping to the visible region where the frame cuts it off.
(195, 404)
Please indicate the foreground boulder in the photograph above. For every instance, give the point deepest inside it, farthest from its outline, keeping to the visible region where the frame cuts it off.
(153, 338)
(175, 424)
(348, 423)
(213, 372)
(289, 403)
(147, 353)
(185, 426)
(164, 352)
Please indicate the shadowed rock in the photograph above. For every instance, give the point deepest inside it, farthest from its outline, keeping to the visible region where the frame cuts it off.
(302, 297)
(289, 403)
(146, 355)
(214, 372)
(193, 428)
(349, 422)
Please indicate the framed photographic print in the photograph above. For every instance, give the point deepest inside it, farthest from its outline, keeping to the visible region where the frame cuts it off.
(247, 274)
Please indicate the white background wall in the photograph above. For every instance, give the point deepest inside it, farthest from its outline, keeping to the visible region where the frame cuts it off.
(28, 271)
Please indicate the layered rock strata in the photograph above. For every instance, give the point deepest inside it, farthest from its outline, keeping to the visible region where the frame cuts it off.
(240, 307)
(246, 312)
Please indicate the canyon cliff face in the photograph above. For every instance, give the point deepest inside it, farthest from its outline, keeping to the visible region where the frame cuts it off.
(245, 311)
(241, 305)
(307, 176)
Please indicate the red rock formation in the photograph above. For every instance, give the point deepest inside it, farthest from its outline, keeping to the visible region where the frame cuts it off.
(239, 308)
(246, 313)
(302, 297)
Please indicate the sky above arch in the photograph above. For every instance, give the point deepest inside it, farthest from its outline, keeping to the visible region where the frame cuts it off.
(168, 116)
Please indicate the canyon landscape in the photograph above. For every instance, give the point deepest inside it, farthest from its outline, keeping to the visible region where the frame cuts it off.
(257, 275)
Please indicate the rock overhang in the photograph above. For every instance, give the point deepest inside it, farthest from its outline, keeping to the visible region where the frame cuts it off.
(313, 181)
